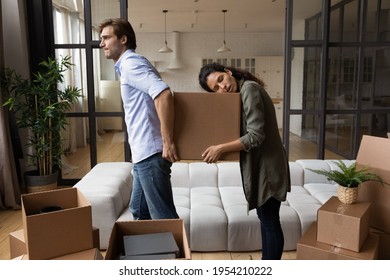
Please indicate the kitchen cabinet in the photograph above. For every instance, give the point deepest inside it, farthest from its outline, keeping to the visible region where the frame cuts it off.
(271, 70)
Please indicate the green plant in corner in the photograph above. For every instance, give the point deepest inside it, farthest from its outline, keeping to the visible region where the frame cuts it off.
(41, 105)
(349, 176)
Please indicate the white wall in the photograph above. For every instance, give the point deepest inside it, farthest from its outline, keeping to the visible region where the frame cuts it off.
(195, 46)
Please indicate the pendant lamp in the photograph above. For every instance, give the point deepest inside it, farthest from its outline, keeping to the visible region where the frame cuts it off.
(165, 49)
(224, 48)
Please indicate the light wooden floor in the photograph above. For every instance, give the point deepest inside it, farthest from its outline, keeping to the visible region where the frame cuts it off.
(10, 220)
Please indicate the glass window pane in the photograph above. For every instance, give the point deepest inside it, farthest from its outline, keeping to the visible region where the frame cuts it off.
(68, 22)
(307, 19)
(339, 134)
(110, 139)
(101, 10)
(371, 21)
(106, 83)
(303, 137)
(342, 78)
(76, 159)
(76, 75)
(334, 28)
(305, 78)
(384, 21)
(350, 26)
(376, 83)
(375, 124)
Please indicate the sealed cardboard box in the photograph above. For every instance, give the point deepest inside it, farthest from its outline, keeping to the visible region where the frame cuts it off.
(18, 244)
(90, 254)
(374, 153)
(56, 223)
(343, 225)
(116, 249)
(205, 119)
(384, 244)
(308, 248)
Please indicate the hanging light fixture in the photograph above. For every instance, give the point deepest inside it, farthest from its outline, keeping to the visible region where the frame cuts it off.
(224, 48)
(165, 49)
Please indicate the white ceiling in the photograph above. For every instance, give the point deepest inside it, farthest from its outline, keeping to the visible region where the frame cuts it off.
(207, 15)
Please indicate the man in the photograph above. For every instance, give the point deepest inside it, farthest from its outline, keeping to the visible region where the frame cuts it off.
(149, 114)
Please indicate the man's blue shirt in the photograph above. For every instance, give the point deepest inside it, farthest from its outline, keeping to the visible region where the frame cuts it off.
(140, 85)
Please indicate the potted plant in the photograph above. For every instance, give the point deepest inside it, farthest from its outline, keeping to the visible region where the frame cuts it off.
(40, 106)
(349, 179)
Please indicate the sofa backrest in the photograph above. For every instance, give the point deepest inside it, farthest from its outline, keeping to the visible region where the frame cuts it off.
(194, 174)
(229, 174)
(296, 174)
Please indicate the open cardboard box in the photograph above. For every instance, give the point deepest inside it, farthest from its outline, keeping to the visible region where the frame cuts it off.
(17, 244)
(176, 226)
(205, 119)
(53, 234)
(374, 152)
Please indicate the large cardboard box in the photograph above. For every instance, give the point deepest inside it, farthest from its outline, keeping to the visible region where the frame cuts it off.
(343, 225)
(374, 152)
(58, 233)
(205, 119)
(384, 244)
(116, 246)
(308, 248)
(18, 244)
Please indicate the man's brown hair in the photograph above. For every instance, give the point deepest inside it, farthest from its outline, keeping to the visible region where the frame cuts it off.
(121, 28)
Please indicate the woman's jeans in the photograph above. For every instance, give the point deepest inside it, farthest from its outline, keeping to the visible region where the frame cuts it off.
(271, 230)
(152, 196)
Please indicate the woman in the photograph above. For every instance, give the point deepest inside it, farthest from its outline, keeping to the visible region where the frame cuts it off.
(263, 161)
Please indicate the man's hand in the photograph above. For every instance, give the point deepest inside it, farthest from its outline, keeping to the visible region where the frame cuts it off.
(170, 153)
(165, 111)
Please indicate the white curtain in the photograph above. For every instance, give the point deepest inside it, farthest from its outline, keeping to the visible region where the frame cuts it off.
(69, 28)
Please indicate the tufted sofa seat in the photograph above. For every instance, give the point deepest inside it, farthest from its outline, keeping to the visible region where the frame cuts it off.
(210, 200)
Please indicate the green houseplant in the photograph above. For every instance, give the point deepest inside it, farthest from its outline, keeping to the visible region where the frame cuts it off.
(40, 106)
(349, 178)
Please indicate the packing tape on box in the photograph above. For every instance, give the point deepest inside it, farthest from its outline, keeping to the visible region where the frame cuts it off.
(336, 248)
(342, 209)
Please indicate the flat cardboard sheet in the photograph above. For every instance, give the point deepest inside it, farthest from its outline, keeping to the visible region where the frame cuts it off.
(116, 250)
(150, 244)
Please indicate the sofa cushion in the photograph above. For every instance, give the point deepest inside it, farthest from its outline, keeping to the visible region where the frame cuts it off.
(310, 176)
(296, 174)
(108, 188)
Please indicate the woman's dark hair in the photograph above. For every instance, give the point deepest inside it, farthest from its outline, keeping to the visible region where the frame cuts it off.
(121, 28)
(238, 74)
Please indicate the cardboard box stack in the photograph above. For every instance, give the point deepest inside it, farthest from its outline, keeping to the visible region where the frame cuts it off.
(340, 233)
(56, 225)
(360, 230)
(374, 152)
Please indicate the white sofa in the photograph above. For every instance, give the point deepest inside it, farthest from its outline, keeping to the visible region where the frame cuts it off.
(210, 200)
